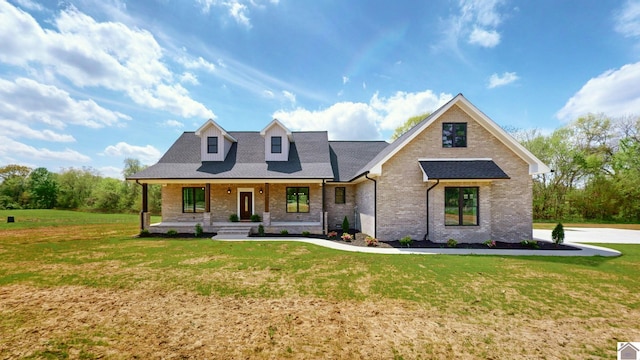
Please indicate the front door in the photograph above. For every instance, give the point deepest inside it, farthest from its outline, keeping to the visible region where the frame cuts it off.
(246, 204)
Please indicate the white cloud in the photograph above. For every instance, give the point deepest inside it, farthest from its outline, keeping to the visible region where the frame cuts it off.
(628, 19)
(484, 38)
(614, 93)
(349, 120)
(172, 123)
(189, 78)
(345, 79)
(197, 64)
(236, 9)
(111, 171)
(268, 94)
(28, 4)
(496, 80)
(94, 54)
(10, 148)
(403, 105)
(19, 129)
(33, 102)
(289, 96)
(147, 154)
(477, 21)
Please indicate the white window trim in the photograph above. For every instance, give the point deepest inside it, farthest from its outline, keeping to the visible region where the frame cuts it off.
(253, 200)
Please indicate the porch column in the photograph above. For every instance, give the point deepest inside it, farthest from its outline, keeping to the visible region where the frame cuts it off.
(266, 216)
(145, 217)
(206, 217)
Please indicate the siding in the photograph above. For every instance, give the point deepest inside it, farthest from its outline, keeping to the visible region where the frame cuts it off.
(276, 130)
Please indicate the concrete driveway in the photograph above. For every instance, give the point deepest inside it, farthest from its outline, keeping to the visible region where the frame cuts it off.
(593, 235)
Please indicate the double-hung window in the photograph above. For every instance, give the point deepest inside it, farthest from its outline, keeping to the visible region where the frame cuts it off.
(297, 199)
(454, 135)
(461, 206)
(340, 195)
(276, 144)
(193, 200)
(212, 145)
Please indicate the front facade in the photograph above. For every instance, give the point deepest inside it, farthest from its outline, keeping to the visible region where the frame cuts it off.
(454, 175)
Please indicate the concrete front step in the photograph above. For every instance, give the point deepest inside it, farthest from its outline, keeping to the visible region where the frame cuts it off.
(234, 230)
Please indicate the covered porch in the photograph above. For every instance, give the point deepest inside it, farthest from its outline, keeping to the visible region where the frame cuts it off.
(292, 205)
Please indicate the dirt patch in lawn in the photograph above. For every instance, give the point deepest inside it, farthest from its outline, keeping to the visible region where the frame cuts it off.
(88, 323)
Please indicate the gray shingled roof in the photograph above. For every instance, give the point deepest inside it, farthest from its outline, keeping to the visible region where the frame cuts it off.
(462, 169)
(308, 159)
(348, 157)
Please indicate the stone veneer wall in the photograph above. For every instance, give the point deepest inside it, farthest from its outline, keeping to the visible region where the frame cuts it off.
(505, 212)
(366, 208)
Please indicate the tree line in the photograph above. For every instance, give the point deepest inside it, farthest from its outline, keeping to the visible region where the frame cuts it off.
(77, 189)
(596, 170)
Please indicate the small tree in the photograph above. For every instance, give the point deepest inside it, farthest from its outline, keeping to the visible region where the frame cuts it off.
(345, 225)
(558, 234)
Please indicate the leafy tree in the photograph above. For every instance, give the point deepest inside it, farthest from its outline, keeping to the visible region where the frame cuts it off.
(106, 196)
(76, 187)
(13, 188)
(43, 188)
(411, 122)
(13, 170)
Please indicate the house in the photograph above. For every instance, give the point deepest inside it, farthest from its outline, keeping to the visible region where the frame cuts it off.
(456, 174)
(626, 351)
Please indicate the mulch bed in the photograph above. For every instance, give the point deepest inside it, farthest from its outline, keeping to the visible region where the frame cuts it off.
(358, 240)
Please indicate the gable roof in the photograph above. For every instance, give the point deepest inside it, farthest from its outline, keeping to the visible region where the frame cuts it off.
(347, 157)
(536, 166)
(276, 122)
(209, 123)
(459, 169)
(308, 159)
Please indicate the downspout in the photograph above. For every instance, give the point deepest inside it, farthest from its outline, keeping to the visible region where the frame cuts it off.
(426, 236)
(323, 209)
(375, 204)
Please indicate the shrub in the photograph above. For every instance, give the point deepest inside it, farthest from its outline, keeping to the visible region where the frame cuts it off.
(345, 225)
(406, 241)
(371, 241)
(144, 233)
(172, 233)
(452, 243)
(530, 244)
(306, 233)
(198, 230)
(260, 230)
(255, 218)
(490, 243)
(284, 232)
(332, 235)
(558, 234)
(346, 237)
(234, 218)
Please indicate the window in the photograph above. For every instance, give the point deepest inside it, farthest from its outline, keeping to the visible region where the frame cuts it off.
(193, 200)
(212, 145)
(454, 135)
(297, 199)
(276, 144)
(461, 206)
(340, 195)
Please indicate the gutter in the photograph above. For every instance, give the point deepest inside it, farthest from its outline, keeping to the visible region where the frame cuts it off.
(426, 236)
(375, 204)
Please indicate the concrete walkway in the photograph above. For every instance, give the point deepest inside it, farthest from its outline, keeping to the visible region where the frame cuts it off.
(593, 235)
(585, 250)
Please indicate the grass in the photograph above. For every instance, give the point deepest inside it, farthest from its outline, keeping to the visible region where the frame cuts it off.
(50, 249)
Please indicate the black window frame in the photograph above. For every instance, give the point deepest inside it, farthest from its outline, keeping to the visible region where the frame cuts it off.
(212, 148)
(276, 148)
(461, 205)
(450, 139)
(194, 196)
(340, 198)
(297, 198)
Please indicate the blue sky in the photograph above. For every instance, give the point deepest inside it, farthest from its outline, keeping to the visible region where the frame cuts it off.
(88, 83)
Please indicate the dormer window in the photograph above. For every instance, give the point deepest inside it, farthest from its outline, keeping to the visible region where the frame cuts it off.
(212, 145)
(454, 135)
(276, 144)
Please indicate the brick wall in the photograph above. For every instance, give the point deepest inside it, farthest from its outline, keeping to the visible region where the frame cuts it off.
(505, 205)
(337, 212)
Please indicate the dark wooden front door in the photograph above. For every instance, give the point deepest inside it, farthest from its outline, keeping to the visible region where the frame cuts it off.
(246, 204)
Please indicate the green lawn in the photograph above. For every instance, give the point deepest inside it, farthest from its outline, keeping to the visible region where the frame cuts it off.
(598, 298)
